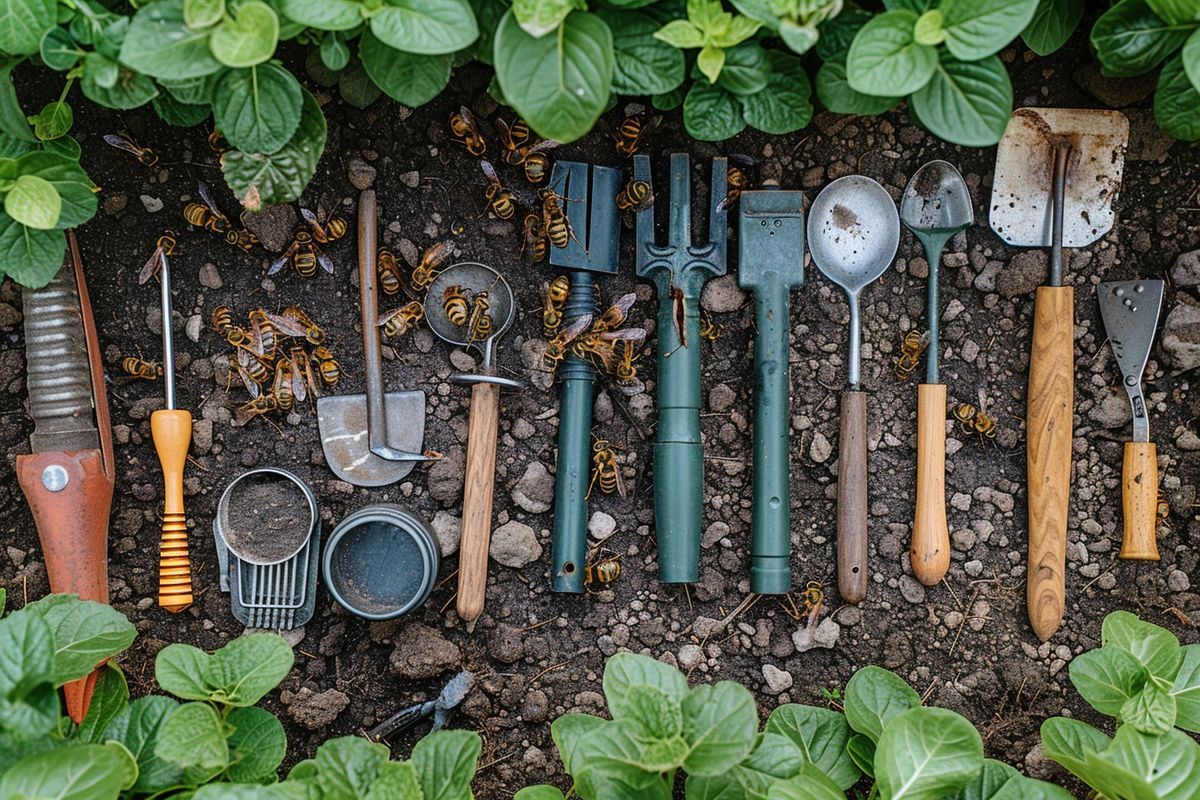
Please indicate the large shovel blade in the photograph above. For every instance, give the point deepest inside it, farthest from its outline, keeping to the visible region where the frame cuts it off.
(342, 421)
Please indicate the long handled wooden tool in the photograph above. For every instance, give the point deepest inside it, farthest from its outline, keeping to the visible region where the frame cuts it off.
(1058, 172)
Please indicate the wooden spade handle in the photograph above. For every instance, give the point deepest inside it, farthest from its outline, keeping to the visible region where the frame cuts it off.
(172, 433)
(930, 551)
(852, 498)
(477, 500)
(1048, 454)
(1139, 501)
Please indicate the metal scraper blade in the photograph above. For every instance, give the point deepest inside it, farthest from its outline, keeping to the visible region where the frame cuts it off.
(1130, 310)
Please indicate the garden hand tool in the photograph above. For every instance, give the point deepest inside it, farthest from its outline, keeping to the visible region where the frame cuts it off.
(452, 694)
(171, 429)
(372, 439)
(1058, 172)
(771, 264)
(1130, 313)
(68, 476)
(936, 205)
(475, 279)
(853, 233)
(594, 249)
(679, 270)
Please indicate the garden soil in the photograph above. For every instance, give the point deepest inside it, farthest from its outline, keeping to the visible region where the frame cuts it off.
(964, 644)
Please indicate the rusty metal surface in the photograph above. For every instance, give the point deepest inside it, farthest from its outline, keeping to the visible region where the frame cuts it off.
(1021, 205)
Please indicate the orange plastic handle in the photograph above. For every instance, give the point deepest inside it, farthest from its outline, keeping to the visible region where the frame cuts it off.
(172, 432)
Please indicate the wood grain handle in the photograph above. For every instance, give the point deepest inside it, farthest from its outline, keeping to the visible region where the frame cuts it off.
(477, 500)
(930, 551)
(1048, 454)
(852, 498)
(172, 433)
(1139, 501)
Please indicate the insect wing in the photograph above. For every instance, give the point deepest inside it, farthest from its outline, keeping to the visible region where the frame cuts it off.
(151, 267)
(122, 143)
(282, 261)
(208, 201)
(287, 325)
(324, 260)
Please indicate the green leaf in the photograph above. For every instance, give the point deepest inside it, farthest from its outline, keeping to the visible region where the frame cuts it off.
(327, 15)
(30, 257)
(1176, 102)
(1131, 39)
(335, 54)
(746, 69)
(1156, 648)
(668, 101)
(428, 27)
(193, 736)
(720, 726)
(539, 792)
(129, 768)
(258, 109)
(1191, 58)
(712, 114)
(180, 670)
(1151, 710)
(193, 91)
(59, 51)
(1166, 766)
(642, 63)
(108, 84)
(615, 763)
(737, 30)
(109, 699)
(81, 772)
(916, 6)
(1107, 678)
(12, 119)
(799, 38)
(926, 753)
(1186, 690)
(861, 750)
(405, 77)
(976, 29)
(1052, 24)
(54, 120)
(203, 13)
(181, 115)
(1177, 11)
(874, 697)
(247, 39)
(966, 102)
(834, 92)
(569, 732)
(281, 176)
(710, 61)
(774, 757)
(539, 17)
(930, 28)
(681, 34)
(558, 84)
(999, 781)
(653, 713)
(784, 105)
(886, 60)
(246, 668)
(346, 766)
(137, 728)
(356, 86)
(160, 44)
(84, 632)
(838, 33)
(23, 23)
(821, 736)
(34, 202)
(445, 761)
(488, 14)
(257, 745)
(809, 784)
(396, 780)
(1071, 743)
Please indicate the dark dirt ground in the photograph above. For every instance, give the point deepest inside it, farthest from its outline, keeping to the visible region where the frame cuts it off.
(964, 644)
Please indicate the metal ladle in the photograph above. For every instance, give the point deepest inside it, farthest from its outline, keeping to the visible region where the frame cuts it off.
(853, 233)
(936, 205)
(475, 279)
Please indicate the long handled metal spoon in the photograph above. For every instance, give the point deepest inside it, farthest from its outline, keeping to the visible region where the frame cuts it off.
(853, 233)
(936, 205)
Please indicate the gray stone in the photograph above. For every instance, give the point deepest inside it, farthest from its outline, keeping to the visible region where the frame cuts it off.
(9, 316)
(210, 278)
(273, 226)
(820, 450)
(1112, 411)
(421, 652)
(515, 544)
(193, 326)
(825, 636)
(313, 710)
(778, 680)
(1025, 272)
(535, 490)
(360, 173)
(721, 397)
(690, 655)
(1186, 270)
(1180, 341)
(911, 590)
(1178, 581)
(445, 480)
(152, 204)
(448, 530)
(601, 525)
(722, 295)
(202, 436)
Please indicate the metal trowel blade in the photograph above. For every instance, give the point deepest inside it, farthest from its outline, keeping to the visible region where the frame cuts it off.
(1130, 311)
(342, 420)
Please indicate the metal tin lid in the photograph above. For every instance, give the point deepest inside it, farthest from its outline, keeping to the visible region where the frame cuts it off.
(266, 516)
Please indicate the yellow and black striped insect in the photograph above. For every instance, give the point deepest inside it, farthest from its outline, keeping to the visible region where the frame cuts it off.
(499, 198)
(533, 238)
(911, 347)
(558, 227)
(456, 304)
(975, 420)
(602, 572)
(431, 261)
(710, 329)
(479, 324)
(400, 321)
(327, 366)
(555, 293)
(465, 128)
(332, 229)
(140, 369)
(605, 472)
(124, 141)
(630, 134)
(635, 196)
(391, 280)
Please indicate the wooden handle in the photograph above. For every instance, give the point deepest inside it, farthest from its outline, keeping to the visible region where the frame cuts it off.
(477, 500)
(172, 432)
(1048, 454)
(852, 498)
(1139, 500)
(930, 551)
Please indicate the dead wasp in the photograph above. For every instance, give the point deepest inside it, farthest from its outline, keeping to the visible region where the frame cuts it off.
(164, 246)
(601, 346)
(911, 347)
(465, 128)
(332, 229)
(264, 335)
(530, 156)
(533, 238)
(222, 319)
(501, 199)
(254, 367)
(303, 382)
(124, 141)
(400, 321)
(390, 277)
(262, 404)
(281, 386)
(327, 366)
(975, 420)
(1162, 509)
(479, 325)
(615, 314)
(456, 305)
(602, 572)
(431, 261)
(294, 322)
(630, 134)
(140, 369)
(519, 131)
(558, 227)
(635, 196)
(710, 329)
(737, 181)
(304, 255)
(557, 347)
(555, 295)
(207, 214)
(813, 595)
(216, 142)
(626, 370)
(605, 471)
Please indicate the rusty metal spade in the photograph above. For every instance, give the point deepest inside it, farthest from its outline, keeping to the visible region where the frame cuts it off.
(371, 439)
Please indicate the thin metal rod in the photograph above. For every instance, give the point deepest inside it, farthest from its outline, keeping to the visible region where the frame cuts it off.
(168, 345)
(933, 255)
(1062, 154)
(854, 360)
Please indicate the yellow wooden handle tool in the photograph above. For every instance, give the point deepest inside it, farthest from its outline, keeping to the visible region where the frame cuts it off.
(930, 551)
(1139, 501)
(172, 432)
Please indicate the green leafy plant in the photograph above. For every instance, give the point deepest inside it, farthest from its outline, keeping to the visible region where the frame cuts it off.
(712, 29)
(1145, 679)
(1136, 36)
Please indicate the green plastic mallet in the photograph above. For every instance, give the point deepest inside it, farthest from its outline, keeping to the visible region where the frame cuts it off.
(679, 270)
(771, 265)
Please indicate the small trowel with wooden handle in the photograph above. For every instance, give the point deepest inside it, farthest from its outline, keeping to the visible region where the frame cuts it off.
(1130, 313)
